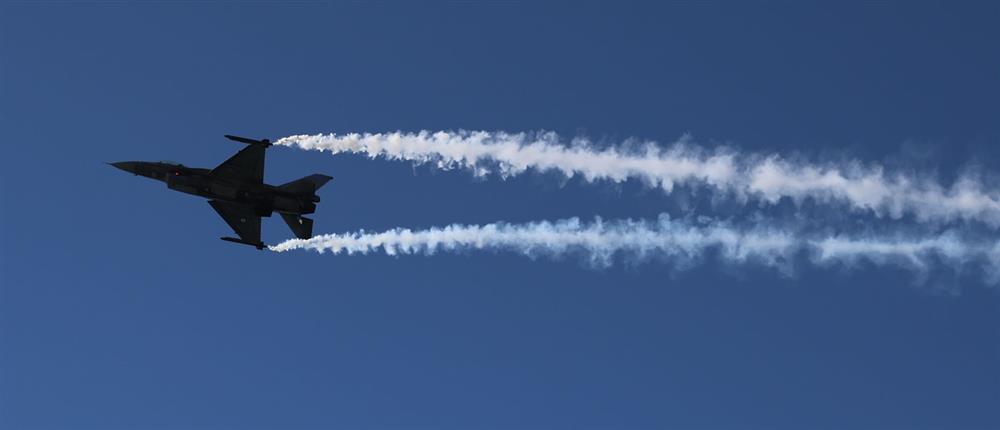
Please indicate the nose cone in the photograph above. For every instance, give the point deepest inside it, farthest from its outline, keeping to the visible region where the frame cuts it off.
(128, 166)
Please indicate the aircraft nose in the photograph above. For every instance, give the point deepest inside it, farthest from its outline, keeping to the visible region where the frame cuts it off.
(128, 166)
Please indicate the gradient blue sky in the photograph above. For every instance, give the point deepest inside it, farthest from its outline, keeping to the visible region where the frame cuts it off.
(119, 308)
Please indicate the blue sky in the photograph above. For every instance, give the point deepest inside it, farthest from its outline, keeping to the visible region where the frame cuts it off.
(119, 308)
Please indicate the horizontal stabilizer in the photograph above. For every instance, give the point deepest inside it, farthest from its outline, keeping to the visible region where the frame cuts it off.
(301, 226)
(248, 141)
(307, 185)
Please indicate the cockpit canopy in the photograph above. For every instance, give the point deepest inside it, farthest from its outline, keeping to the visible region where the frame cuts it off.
(173, 163)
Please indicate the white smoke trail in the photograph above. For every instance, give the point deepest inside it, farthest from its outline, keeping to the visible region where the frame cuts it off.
(680, 241)
(767, 178)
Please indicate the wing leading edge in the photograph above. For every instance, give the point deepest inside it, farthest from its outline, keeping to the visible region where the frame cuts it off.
(246, 166)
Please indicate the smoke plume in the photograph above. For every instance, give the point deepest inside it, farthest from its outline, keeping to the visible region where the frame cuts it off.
(600, 243)
(765, 178)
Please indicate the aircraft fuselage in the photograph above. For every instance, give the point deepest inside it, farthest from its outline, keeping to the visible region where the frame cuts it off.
(264, 198)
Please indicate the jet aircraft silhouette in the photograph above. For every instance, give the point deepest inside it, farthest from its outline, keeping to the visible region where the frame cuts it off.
(236, 190)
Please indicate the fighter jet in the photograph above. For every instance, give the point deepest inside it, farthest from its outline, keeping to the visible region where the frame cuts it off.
(236, 190)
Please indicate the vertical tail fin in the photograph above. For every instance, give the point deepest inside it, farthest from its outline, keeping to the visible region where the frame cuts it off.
(300, 225)
(307, 185)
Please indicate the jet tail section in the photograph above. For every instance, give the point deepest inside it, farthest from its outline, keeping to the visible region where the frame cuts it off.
(307, 185)
(300, 225)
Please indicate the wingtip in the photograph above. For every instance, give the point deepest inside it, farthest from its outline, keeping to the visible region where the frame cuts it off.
(258, 245)
(248, 141)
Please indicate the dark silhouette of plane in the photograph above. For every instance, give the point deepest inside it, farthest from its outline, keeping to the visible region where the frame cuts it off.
(237, 191)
